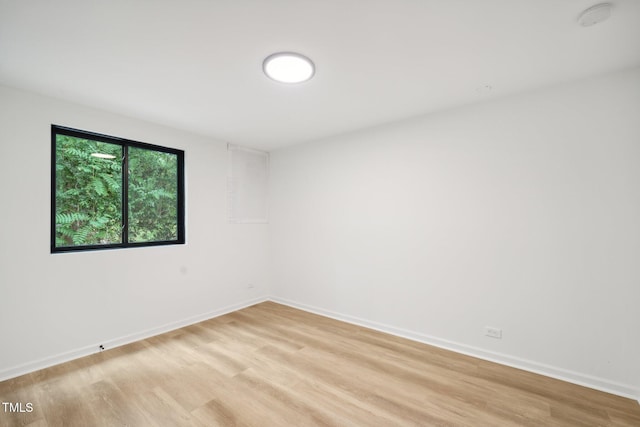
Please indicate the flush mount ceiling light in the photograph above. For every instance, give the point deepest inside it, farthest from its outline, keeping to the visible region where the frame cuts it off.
(288, 67)
(595, 14)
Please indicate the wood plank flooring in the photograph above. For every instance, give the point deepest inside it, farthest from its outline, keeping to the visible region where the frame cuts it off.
(272, 365)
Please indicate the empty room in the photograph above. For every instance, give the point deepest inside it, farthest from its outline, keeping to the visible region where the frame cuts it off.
(320, 213)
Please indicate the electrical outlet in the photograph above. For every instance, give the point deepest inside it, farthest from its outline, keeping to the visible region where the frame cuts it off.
(101, 348)
(493, 332)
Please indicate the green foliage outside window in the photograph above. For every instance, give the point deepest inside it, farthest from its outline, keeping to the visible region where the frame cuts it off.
(89, 193)
(153, 194)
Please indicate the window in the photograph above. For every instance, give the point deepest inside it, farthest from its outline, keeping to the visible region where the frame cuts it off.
(109, 192)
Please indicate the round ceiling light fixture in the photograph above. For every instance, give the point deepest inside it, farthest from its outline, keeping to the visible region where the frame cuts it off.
(288, 67)
(595, 14)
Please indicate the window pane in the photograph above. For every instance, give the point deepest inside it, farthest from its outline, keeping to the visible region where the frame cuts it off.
(153, 196)
(88, 201)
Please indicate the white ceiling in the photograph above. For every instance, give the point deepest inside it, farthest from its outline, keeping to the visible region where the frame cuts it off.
(197, 64)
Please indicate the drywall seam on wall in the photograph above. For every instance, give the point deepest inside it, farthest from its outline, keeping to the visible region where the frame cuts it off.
(624, 390)
(117, 342)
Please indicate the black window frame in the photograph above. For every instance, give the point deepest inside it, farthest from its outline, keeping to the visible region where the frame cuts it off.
(124, 143)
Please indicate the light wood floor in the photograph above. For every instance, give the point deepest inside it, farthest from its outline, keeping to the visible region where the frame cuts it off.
(271, 365)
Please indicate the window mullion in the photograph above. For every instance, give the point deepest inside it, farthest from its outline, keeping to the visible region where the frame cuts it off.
(125, 194)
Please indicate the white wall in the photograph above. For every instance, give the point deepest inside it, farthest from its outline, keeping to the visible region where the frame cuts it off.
(521, 214)
(54, 307)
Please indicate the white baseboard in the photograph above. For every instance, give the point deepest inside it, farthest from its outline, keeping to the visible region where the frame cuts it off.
(46, 362)
(601, 384)
(596, 383)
